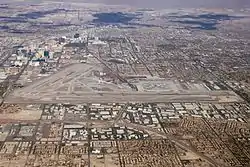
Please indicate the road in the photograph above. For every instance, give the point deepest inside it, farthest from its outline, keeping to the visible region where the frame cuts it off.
(119, 115)
(171, 138)
(115, 73)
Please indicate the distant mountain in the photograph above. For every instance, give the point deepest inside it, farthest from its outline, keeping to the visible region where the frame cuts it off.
(180, 3)
(159, 3)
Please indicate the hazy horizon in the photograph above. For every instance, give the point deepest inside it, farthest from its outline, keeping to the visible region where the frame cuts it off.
(160, 3)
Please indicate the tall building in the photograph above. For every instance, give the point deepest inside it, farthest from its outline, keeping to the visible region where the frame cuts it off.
(46, 53)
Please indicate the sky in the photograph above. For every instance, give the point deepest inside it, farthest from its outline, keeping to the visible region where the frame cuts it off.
(163, 3)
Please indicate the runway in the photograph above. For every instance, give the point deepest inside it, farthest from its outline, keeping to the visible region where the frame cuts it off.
(77, 84)
(124, 97)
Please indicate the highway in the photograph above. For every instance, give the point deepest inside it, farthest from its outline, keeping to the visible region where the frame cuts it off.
(119, 115)
(121, 122)
(171, 138)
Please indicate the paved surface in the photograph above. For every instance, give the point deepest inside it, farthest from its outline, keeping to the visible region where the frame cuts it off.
(78, 84)
(171, 138)
(106, 97)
